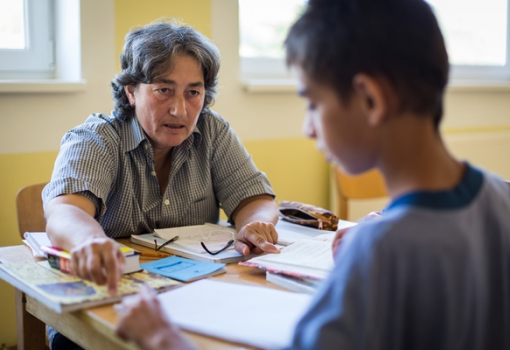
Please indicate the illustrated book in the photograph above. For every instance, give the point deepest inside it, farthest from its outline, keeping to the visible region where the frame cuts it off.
(63, 292)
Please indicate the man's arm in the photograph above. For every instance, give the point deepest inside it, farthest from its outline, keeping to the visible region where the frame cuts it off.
(70, 225)
(254, 219)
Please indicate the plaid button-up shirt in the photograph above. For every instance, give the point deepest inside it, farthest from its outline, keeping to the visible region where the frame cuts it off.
(111, 162)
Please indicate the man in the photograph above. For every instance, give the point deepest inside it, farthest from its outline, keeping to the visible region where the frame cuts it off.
(162, 159)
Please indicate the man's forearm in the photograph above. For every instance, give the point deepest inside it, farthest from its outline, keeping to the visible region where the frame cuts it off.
(70, 223)
(259, 208)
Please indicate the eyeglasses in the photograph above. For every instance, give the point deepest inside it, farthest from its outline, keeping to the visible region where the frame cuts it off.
(214, 238)
(156, 248)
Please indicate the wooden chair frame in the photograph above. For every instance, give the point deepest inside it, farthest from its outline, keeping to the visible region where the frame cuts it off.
(366, 186)
(29, 208)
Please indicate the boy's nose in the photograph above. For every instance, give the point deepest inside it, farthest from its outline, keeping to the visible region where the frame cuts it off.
(308, 127)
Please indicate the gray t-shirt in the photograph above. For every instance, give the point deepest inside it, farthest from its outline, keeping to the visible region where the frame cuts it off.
(432, 273)
(111, 162)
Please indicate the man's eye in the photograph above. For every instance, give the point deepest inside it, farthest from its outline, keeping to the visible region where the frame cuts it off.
(164, 90)
(194, 93)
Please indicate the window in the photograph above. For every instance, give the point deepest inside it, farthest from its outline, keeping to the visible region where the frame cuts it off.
(477, 36)
(26, 39)
(263, 26)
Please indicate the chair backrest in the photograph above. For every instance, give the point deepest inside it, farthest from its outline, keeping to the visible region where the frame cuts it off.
(30, 211)
(366, 186)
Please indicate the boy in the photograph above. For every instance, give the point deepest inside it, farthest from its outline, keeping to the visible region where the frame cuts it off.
(434, 271)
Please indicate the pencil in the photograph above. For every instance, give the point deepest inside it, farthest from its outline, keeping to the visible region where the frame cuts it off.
(153, 255)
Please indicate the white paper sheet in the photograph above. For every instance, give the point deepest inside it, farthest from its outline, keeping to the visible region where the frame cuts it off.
(256, 316)
(310, 253)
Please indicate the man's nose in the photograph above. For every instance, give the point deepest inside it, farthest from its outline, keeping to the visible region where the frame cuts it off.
(178, 107)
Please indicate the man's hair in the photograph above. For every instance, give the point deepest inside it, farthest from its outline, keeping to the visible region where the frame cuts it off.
(399, 40)
(149, 53)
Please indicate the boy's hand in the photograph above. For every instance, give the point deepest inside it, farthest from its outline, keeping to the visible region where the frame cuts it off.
(99, 260)
(341, 232)
(338, 238)
(142, 320)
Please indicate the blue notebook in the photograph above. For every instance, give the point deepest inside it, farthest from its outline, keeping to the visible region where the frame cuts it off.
(184, 270)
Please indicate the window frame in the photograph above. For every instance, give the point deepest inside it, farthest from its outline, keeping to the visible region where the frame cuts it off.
(37, 60)
(263, 68)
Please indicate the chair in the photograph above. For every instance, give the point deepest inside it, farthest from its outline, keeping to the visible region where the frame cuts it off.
(369, 185)
(29, 208)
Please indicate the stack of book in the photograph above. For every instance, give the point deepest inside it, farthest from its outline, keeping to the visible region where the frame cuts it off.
(188, 243)
(293, 283)
(301, 266)
(61, 259)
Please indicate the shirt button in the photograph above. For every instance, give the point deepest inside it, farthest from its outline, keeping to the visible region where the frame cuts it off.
(153, 173)
(167, 202)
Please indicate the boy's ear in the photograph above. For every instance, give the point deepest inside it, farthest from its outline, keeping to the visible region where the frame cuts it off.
(371, 94)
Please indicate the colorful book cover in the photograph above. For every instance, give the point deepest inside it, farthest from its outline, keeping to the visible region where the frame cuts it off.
(63, 292)
(61, 260)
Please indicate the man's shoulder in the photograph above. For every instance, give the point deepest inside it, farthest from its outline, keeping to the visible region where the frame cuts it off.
(210, 118)
(213, 127)
(102, 121)
(102, 125)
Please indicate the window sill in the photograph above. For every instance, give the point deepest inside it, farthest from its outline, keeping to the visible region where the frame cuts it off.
(479, 86)
(290, 86)
(42, 86)
(269, 85)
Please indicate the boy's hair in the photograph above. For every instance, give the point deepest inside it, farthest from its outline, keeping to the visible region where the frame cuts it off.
(399, 40)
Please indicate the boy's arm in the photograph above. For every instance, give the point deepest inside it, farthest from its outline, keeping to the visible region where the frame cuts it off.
(142, 320)
(71, 226)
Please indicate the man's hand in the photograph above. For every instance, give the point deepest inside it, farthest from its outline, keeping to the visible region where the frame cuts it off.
(255, 218)
(142, 320)
(257, 237)
(99, 260)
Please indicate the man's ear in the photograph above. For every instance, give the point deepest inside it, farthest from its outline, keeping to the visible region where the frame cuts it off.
(371, 94)
(130, 92)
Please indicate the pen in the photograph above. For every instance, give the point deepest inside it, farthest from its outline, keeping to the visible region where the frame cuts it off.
(167, 242)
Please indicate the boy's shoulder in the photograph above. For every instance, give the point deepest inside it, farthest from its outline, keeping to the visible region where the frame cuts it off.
(448, 219)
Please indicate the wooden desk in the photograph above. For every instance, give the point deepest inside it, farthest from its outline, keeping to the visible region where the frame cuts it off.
(94, 328)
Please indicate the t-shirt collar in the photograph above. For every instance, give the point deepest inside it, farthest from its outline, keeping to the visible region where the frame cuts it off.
(456, 198)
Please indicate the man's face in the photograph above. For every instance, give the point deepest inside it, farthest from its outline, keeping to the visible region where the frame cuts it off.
(339, 127)
(168, 109)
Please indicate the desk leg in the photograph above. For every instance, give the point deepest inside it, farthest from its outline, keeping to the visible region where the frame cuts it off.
(31, 331)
